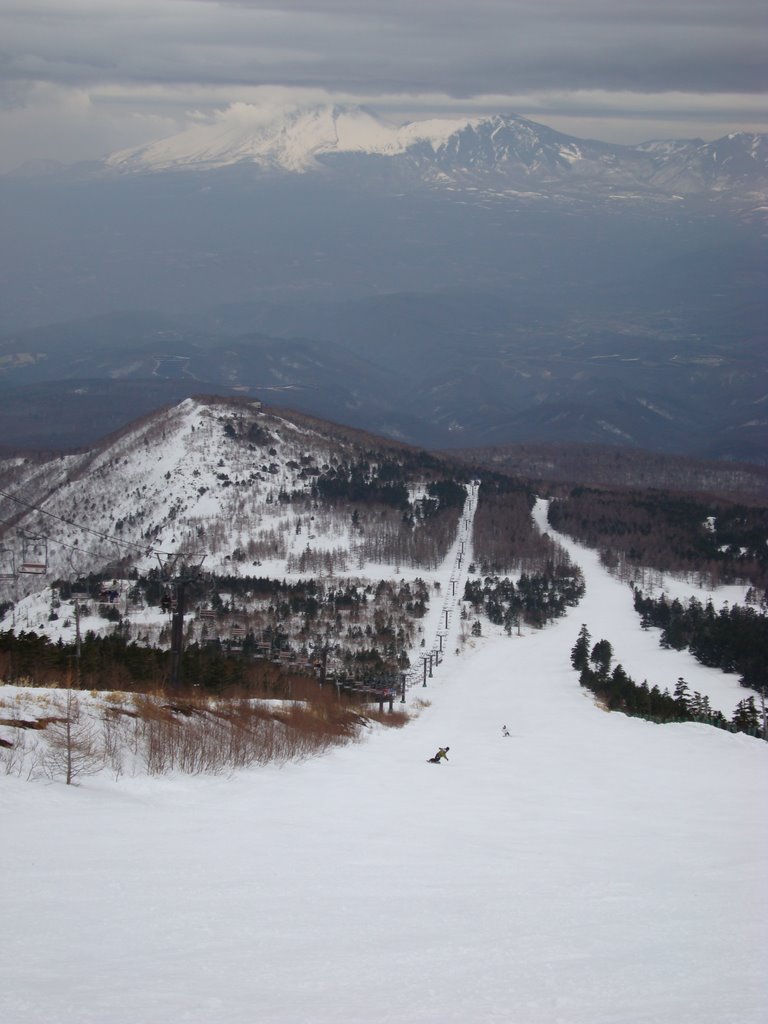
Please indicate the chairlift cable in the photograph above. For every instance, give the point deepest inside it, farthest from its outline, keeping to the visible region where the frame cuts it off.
(77, 526)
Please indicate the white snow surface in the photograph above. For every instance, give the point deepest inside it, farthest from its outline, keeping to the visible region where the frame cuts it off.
(290, 140)
(242, 133)
(589, 869)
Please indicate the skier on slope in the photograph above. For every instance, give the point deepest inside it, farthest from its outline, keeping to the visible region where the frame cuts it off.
(439, 756)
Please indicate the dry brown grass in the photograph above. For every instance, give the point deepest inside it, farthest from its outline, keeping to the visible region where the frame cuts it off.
(392, 719)
(200, 735)
(132, 733)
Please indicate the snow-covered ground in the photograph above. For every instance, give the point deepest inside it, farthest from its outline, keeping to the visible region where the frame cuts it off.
(589, 869)
(607, 611)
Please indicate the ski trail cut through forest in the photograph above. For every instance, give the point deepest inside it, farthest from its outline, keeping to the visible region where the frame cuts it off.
(442, 623)
(607, 610)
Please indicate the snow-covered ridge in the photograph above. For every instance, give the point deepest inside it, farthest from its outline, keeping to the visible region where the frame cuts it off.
(208, 476)
(147, 487)
(290, 141)
(303, 140)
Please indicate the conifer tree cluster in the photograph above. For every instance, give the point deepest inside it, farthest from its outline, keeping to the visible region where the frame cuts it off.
(536, 598)
(618, 692)
(367, 627)
(734, 639)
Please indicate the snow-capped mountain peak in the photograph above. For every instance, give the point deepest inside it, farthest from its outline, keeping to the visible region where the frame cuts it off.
(293, 140)
(242, 134)
(518, 151)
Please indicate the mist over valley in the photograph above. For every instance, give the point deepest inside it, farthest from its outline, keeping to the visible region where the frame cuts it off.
(496, 283)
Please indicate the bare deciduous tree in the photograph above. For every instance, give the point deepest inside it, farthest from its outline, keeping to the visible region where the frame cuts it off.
(73, 747)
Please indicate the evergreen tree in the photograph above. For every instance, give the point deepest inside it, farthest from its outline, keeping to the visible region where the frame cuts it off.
(622, 690)
(746, 717)
(681, 697)
(580, 650)
(601, 656)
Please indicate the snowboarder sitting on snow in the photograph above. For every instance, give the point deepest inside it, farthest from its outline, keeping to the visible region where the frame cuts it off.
(442, 753)
(504, 731)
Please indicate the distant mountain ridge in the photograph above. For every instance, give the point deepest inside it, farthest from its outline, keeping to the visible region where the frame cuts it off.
(507, 147)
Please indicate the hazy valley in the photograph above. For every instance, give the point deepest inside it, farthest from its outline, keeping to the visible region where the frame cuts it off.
(499, 283)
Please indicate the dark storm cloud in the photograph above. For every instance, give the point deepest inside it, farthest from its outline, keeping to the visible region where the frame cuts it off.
(461, 49)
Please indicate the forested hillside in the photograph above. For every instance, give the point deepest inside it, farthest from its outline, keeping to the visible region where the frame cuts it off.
(717, 540)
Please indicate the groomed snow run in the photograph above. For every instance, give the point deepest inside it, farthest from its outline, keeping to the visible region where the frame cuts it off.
(588, 869)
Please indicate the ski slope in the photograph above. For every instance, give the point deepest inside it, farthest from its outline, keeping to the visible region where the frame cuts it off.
(589, 869)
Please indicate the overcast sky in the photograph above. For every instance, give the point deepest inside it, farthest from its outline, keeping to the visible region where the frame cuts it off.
(80, 78)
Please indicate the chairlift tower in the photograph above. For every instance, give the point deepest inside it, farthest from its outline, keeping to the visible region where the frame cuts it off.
(178, 570)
